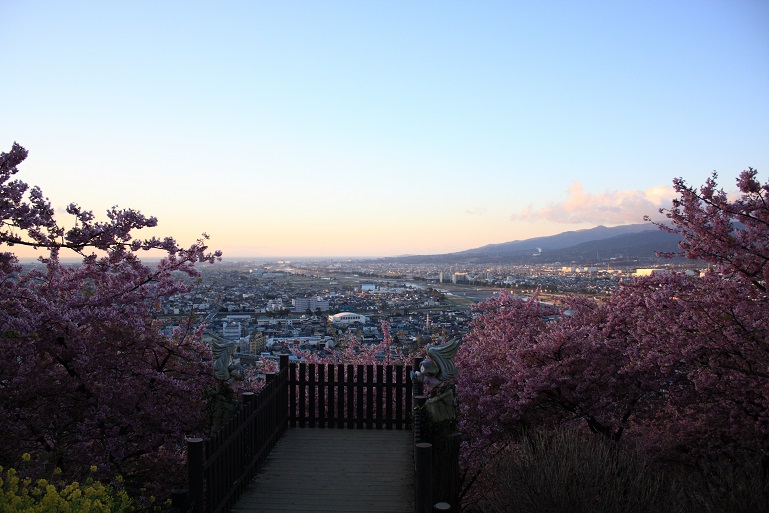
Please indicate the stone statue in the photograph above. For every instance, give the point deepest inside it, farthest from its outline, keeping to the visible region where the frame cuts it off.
(226, 370)
(440, 367)
(439, 418)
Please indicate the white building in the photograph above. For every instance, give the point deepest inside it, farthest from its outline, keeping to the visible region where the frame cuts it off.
(459, 278)
(232, 331)
(650, 272)
(274, 305)
(327, 342)
(313, 304)
(347, 318)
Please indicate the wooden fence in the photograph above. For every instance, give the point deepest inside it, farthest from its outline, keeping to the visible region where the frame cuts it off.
(220, 467)
(318, 395)
(350, 396)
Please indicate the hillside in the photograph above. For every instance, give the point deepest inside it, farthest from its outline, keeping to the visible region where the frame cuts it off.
(636, 241)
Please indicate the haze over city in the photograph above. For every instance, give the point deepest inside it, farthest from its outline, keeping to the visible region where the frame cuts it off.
(382, 128)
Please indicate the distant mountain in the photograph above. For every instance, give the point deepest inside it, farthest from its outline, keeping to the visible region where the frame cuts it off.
(560, 241)
(619, 242)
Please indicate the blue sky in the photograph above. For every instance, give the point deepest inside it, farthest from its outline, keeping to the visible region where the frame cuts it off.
(326, 128)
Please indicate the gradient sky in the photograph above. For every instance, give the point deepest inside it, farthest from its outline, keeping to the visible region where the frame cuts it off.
(363, 128)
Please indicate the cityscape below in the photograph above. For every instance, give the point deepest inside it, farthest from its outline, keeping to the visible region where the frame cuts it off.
(300, 306)
(272, 307)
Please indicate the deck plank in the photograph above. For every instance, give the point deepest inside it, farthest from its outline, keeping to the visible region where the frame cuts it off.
(335, 470)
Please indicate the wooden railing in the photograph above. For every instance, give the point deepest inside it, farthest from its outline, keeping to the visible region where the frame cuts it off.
(350, 396)
(318, 395)
(299, 395)
(220, 467)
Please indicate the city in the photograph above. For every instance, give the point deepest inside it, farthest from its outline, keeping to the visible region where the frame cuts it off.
(273, 307)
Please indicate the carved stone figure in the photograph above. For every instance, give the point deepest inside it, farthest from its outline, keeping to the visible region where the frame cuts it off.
(226, 369)
(440, 367)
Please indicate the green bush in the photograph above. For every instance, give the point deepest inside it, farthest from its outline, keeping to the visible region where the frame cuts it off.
(20, 493)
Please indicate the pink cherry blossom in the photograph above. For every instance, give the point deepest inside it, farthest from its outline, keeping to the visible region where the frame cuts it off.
(86, 377)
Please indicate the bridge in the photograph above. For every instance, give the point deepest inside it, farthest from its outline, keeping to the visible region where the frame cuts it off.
(321, 438)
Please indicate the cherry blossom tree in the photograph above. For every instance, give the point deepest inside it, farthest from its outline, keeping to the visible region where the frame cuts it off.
(731, 234)
(353, 351)
(86, 377)
(675, 365)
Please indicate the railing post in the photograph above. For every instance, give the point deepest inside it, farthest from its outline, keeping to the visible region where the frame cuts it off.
(250, 432)
(285, 407)
(370, 404)
(195, 477)
(453, 481)
(272, 418)
(409, 395)
(423, 458)
(292, 395)
(179, 500)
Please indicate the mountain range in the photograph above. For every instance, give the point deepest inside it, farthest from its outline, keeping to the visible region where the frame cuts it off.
(627, 242)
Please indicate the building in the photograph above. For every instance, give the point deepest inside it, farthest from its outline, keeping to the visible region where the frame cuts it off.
(257, 343)
(459, 278)
(650, 272)
(232, 331)
(347, 318)
(313, 304)
(274, 305)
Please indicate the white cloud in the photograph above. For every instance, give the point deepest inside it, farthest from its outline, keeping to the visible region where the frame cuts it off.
(609, 208)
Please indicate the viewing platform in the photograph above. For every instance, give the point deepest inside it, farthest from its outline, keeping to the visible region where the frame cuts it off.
(323, 438)
(335, 470)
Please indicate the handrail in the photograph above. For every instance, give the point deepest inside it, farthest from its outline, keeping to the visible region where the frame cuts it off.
(352, 396)
(220, 467)
(333, 395)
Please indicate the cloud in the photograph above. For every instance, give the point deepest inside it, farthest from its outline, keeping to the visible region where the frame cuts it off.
(610, 208)
(478, 211)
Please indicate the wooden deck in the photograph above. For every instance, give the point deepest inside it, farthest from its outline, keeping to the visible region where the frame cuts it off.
(335, 470)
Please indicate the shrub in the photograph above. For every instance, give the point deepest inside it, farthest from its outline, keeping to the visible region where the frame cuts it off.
(38, 495)
(569, 471)
(736, 485)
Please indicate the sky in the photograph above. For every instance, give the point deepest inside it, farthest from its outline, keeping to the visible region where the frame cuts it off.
(380, 128)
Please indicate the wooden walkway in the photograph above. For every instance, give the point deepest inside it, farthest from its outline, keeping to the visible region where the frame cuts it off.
(335, 470)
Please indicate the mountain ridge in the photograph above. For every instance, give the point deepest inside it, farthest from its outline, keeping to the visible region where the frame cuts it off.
(624, 241)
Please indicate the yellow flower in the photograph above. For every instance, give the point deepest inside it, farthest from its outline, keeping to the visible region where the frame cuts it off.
(26, 456)
(93, 468)
(56, 471)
